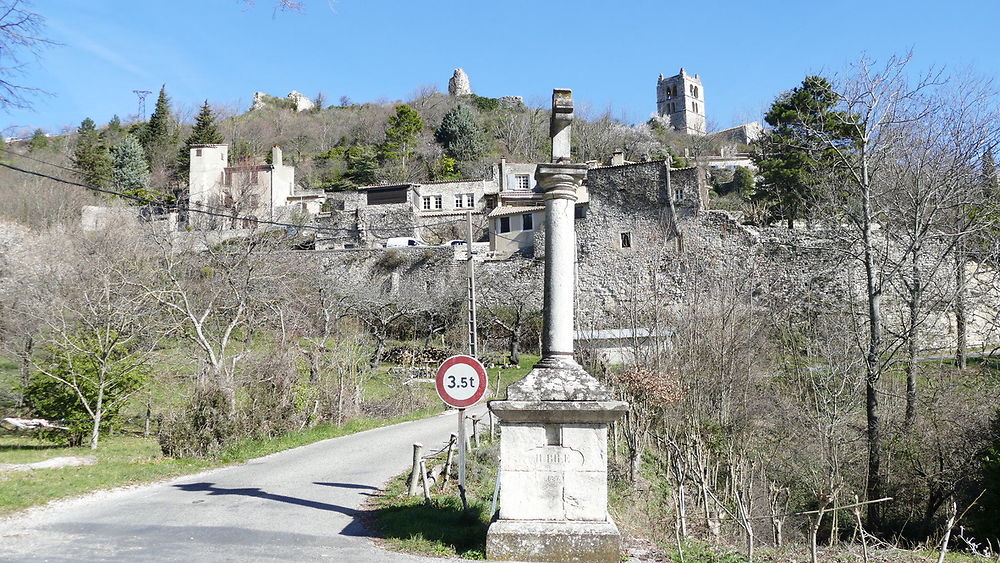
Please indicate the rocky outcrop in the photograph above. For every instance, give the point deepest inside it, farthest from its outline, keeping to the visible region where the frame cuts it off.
(459, 84)
(294, 100)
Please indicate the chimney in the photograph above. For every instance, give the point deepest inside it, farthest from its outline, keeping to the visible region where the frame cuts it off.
(276, 156)
(618, 158)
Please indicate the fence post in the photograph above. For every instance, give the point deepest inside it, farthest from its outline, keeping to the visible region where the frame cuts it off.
(447, 463)
(423, 479)
(475, 433)
(415, 473)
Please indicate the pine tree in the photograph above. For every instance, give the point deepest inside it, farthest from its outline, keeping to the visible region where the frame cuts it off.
(362, 165)
(39, 141)
(130, 174)
(205, 132)
(788, 156)
(460, 134)
(158, 130)
(401, 133)
(90, 156)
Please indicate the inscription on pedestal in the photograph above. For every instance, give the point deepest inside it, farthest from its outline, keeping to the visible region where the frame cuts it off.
(556, 458)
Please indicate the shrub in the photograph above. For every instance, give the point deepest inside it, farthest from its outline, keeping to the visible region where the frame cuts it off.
(485, 104)
(201, 430)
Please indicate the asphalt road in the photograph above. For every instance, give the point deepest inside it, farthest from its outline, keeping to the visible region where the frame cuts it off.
(298, 505)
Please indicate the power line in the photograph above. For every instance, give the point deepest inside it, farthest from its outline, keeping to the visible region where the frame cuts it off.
(176, 207)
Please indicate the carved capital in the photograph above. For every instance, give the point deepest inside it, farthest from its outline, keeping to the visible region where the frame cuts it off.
(560, 181)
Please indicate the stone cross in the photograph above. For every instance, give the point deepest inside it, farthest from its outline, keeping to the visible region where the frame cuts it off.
(560, 124)
(554, 422)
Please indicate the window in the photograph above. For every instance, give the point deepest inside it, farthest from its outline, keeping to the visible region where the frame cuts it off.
(470, 200)
(197, 152)
(527, 222)
(459, 201)
(522, 182)
(465, 200)
(694, 107)
(426, 203)
(678, 194)
(438, 204)
(626, 240)
(429, 202)
(503, 225)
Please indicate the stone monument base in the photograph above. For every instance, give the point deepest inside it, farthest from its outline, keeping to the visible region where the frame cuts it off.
(566, 540)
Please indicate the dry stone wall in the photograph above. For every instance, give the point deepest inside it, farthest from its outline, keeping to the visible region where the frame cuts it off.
(674, 256)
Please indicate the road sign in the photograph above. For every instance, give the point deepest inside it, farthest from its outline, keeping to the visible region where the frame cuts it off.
(461, 381)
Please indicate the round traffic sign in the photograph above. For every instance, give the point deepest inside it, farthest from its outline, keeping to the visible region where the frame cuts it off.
(461, 381)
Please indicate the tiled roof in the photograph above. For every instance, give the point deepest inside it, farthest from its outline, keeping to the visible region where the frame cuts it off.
(384, 186)
(454, 181)
(507, 210)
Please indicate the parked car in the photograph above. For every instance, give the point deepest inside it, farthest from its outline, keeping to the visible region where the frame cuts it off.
(398, 242)
(454, 242)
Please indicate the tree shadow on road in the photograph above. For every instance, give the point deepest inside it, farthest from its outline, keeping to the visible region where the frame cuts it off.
(211, 489)
(356, 528)
(347, 486)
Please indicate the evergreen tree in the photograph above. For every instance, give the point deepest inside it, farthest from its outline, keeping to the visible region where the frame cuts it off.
(743, 181)
(114, 132)
(362, 165)
(401, 134)
(205, 132)
(115, 125)
(90, 156)
(160, 140)
(788, 156)
(39, 141)
(130, 174)
(460, 134)
(158, 129)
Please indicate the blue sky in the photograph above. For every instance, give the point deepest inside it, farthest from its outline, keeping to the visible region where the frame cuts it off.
(609, 53)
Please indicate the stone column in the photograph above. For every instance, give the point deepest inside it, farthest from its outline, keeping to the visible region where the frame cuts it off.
(554, 422)
(560, 182)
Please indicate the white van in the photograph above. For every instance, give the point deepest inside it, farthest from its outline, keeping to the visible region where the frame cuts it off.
(397, 242)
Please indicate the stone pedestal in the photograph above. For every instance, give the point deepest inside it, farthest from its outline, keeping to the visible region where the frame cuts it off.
(554, 468)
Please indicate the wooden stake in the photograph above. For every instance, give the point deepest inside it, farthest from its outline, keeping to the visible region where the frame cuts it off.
(415, 472)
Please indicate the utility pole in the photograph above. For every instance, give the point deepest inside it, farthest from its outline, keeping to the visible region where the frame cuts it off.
(470, 269)
(141, 94)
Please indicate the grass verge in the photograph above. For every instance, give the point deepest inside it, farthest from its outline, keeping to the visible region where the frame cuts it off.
(441, 527)
(128, 460)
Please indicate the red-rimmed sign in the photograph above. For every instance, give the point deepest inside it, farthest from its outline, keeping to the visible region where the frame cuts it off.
(461, 381)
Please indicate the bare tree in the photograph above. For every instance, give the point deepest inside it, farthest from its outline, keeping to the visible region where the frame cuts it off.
(510, 301)
(217, 296)
(877, 107)
(94, 335)
(21, 33)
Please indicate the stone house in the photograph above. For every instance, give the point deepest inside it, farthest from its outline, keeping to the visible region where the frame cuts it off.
(519, 214)
(243, 192)
(433, 212)
(634, 190)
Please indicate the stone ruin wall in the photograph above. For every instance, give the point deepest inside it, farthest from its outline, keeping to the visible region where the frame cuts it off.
(797, 270)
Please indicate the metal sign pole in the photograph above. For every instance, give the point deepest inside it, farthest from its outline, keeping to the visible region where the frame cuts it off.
(461, 458)
(471, 289)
